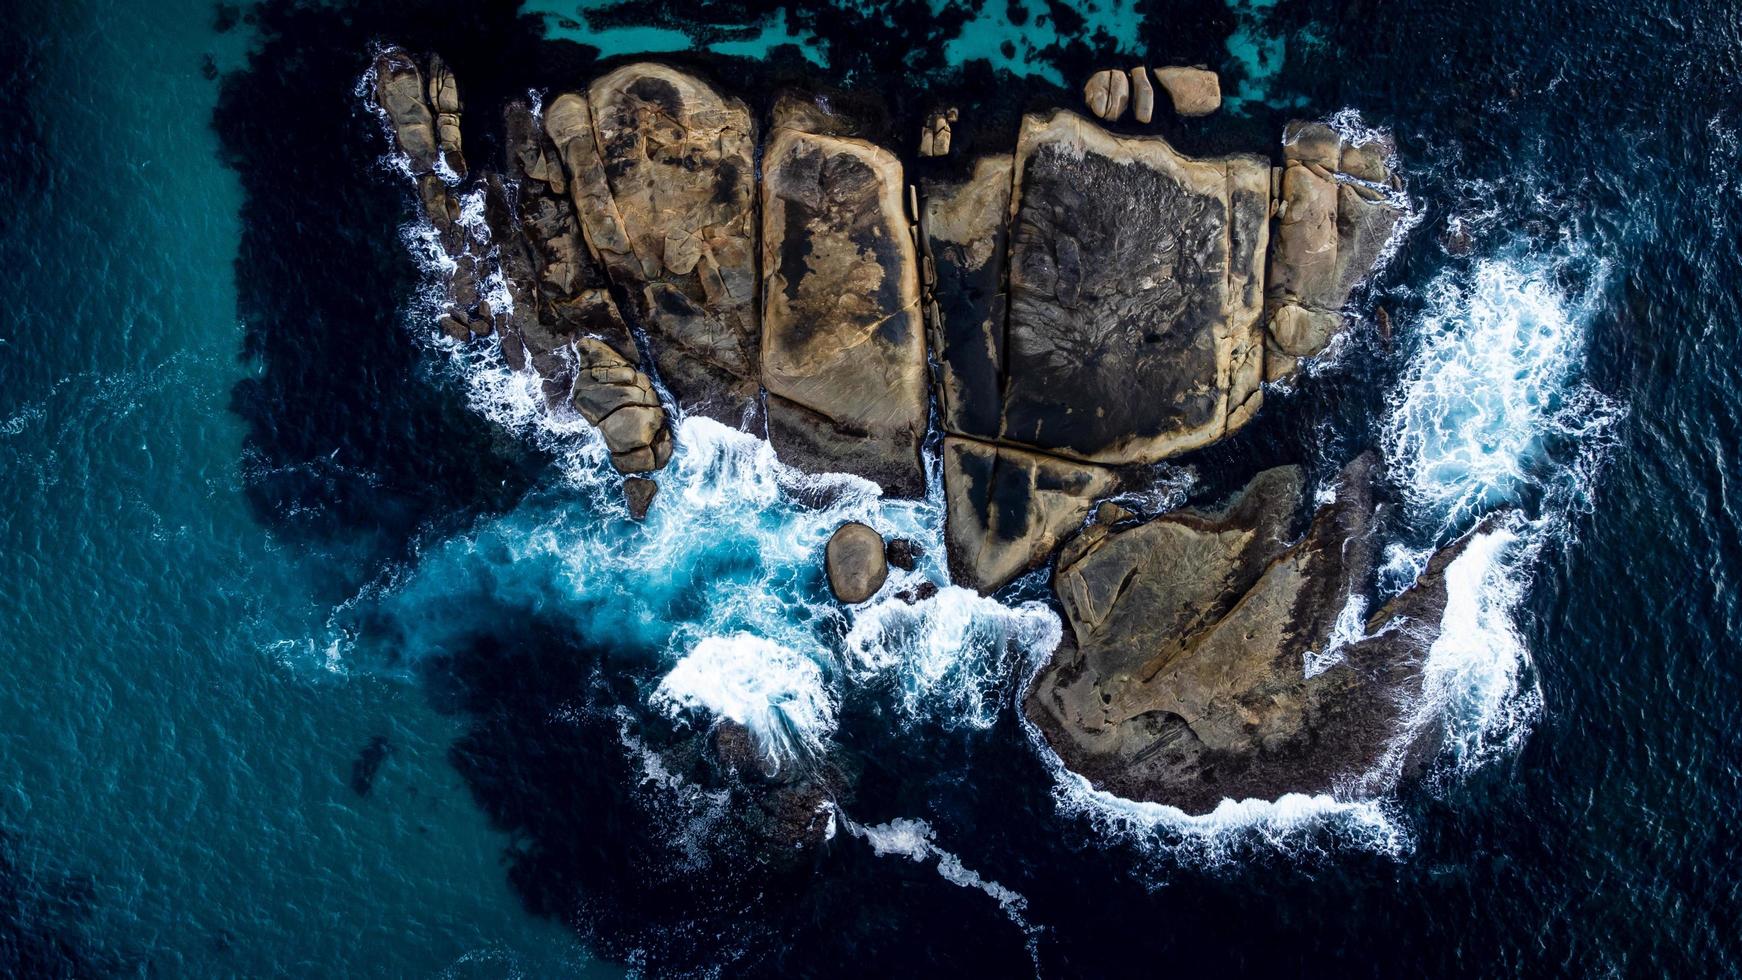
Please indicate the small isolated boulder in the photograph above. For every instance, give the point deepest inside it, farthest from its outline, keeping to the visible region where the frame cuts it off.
(1195, 91)
(638, 493)
(934, 139)
(1107, 94)
(1142, 95)
(855, 562)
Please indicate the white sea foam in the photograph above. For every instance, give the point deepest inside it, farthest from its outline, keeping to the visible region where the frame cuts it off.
(951, 654)
(1349, 627)
(916, 841)
(1494, 387)
(779, 695)
(1475, 681)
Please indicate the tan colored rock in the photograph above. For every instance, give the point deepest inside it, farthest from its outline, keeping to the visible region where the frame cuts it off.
(612, 395)
(1118, 95)
(934, 139)
(1334, 219)
(662, 173)
(967, 231)
(855, 563)
(1203, 662)
(1006, 509)
(1135, 296)
(1142, 95)
(1098, 93)
(1194, 91)
(843, 352)
(399, 93)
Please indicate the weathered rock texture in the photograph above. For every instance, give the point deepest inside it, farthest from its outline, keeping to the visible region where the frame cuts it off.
(429, 142)
(554, 311)
(1135, 290)
(1334, 219)
(1142, 95)
(1186, 682)
(662, 174)
(1194, 91)
(843, 347)
(967, 243)
(855, 562)
(1007, 509)
(1094, 298)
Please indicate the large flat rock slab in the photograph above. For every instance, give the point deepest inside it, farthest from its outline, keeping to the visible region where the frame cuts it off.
(843, 347)
(1135, 293)
(1007, 509)
(1188, 679)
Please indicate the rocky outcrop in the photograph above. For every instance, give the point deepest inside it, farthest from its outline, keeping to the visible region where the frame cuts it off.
(1194, 91)
(619, 401)
(786, 812)
(1334, 217)
(934, 139)
(555, 313)
(855, 562)
(843, 352)
(1134, 295)
(428, 142)
(400, 95)
(662, 175)
(1187, 681)
(1007, 509)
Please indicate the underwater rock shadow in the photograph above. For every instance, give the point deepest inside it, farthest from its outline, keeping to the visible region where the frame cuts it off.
(350, 437)
(623, 829)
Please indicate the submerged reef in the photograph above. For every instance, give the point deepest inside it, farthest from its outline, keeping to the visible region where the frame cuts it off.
(1065, 312)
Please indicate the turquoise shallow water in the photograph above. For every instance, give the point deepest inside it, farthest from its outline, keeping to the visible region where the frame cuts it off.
(170, 734)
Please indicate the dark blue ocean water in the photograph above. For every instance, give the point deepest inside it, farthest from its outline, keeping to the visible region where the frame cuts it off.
(326, 653)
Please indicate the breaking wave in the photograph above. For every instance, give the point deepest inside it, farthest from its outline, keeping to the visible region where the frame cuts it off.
(1492, 409)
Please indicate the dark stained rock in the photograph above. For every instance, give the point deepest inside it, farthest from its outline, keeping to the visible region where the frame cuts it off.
(903, 553)
(843, 354)
(399, 94)
(1134, 294)
(855, 562)
(1186, 683)
(967, 236)
(1007, 509)
(638, 493)
(1334, 218)
(661, 169)
(917, 593)
(788, 811)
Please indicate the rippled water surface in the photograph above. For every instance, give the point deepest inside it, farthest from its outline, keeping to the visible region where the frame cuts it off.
(329, 652)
